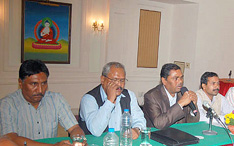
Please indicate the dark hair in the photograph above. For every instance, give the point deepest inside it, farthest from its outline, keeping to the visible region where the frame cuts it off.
(107, 67)
(31, 67)
(205, 76)
(165, 71)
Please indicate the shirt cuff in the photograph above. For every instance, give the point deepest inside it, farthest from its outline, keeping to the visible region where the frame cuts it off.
(181, 106)
(192, 114)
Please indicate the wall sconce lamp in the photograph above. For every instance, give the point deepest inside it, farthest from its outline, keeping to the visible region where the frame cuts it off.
(98, 26)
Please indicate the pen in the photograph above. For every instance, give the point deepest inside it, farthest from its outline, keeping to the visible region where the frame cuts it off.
(25, 143)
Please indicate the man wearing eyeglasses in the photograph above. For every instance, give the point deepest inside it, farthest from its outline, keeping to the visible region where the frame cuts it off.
(102, 107)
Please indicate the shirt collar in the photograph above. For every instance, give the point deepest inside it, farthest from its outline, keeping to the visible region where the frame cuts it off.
(213, 99)
(172, 100)
(25, 101)
(22, 96)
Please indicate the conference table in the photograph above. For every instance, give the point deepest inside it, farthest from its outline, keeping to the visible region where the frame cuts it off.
(192, 128)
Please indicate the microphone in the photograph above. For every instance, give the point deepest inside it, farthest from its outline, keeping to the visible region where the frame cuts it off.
(191, 104)
(207, 105)
(230, 74)
(215, 115)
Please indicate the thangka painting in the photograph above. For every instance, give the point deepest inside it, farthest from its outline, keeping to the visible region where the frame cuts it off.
(46, 31)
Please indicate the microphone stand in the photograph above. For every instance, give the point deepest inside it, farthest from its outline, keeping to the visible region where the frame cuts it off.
(209, 115)
(225, 127)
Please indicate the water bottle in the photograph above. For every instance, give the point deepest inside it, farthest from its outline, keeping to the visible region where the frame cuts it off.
(111, 139)
(125, 129)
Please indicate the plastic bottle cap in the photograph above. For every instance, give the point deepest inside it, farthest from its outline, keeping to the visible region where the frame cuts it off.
(111, 129)
(126, 110)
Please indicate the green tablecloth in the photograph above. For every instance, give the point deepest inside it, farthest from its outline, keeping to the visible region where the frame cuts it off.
(193, 128)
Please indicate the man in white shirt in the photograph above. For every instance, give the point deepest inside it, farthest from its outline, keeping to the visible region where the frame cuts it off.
(209, 92)
(230, 95)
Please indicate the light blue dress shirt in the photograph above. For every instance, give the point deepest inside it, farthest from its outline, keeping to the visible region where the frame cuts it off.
(109, 114)
(19, 116)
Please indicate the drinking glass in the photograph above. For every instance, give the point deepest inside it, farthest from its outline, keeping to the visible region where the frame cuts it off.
(145, 136)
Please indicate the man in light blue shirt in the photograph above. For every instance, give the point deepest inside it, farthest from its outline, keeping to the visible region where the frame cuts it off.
(102, 107)
(32, 112)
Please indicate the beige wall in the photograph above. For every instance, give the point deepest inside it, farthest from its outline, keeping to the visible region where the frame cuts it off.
(200, 33)
(215, 33)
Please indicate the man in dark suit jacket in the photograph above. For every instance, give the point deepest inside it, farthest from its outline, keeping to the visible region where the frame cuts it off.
(164, 105)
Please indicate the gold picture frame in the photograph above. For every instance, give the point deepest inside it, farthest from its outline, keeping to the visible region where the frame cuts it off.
(46, 31)
(181, 65)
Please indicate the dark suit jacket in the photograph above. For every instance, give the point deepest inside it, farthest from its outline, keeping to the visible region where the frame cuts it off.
(158, 112)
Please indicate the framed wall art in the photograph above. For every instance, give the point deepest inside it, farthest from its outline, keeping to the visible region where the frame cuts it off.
(46, 31)
(181, 65)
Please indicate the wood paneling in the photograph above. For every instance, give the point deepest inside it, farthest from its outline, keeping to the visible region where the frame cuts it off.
(148, 40)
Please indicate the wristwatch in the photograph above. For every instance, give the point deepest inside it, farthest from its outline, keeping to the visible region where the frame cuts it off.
(138, 129)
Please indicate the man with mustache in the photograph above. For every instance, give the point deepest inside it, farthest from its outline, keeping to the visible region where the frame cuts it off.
(102, 107)
(32, 112)
(210, 92)
(164, 105)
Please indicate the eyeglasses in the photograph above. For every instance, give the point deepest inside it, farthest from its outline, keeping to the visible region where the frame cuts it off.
(117, 80)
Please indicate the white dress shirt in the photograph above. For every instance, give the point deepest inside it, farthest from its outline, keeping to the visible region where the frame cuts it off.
(230, 95)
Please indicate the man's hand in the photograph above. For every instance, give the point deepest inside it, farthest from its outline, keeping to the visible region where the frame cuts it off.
(187, 98)
(111, 91)
(135, 133)
(63, 143)
(76, 130)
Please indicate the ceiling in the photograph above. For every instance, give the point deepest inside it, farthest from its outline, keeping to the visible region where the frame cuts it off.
(174, 1)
